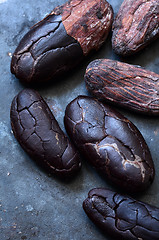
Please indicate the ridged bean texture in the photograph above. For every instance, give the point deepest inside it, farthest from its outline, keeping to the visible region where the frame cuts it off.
(123, 84)
(110, 142)
(135, 26)
(122, 217)
(39, 134)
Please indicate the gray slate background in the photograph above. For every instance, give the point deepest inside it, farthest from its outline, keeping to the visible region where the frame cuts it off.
(34, 205)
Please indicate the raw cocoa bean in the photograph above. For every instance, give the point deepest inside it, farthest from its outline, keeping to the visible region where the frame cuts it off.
(125, 85)
(135, 26)
(122, 217)
(61, 40)
(110, 142)
(39, 134)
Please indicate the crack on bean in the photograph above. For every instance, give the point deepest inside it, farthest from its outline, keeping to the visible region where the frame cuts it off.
(115, 156)
(42, 137)
(130, 223)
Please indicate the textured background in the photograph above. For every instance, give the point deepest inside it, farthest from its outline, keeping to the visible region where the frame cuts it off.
(34, 205)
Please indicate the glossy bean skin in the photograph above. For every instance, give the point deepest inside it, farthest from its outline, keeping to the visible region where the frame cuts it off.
(39, 134)
(61, 40)
(122, 217)
(110, 142)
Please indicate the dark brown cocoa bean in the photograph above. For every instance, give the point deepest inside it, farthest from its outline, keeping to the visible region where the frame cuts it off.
(39, 134)
(122, 217)
(125, 85)
(135, 26)
(110, 142)
(61, 40)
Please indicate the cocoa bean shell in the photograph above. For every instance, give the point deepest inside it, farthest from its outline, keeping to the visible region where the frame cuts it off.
(39, 134)
(121, 216)
(110, 142)
(123, 84)
(135, 26)
(61, 40)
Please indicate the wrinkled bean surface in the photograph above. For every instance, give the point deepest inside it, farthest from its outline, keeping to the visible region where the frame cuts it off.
(124, 84)
(135, 26)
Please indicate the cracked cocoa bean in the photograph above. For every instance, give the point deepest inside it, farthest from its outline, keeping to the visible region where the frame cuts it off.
(61, 40)
(122, 217)
(135, 26)
(110, 142)
(39, 134)
(123, 84)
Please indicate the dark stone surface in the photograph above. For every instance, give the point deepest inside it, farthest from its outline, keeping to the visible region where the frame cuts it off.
(34, 205)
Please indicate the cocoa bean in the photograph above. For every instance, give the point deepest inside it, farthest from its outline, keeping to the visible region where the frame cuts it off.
(110, 142)
(39, 134)
(135, 26)
(124, 84)
(122, 217)
(61, 40)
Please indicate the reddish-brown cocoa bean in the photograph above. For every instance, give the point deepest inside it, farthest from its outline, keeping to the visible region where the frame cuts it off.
(127, 85)
(136, 25)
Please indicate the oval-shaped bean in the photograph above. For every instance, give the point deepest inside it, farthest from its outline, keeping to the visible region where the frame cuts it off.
(122, 217)
(124, 84)
(39, 134)
(135, 26)
(61, 40)
(110, 142)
